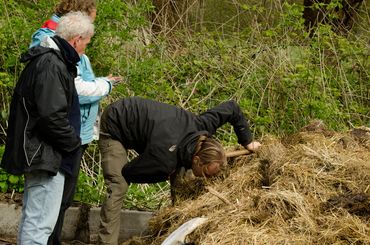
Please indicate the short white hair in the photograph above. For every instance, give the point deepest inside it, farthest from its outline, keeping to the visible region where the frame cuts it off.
(74, 24)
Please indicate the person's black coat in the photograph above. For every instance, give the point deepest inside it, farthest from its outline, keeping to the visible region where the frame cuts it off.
(164, 135)
(39, 129)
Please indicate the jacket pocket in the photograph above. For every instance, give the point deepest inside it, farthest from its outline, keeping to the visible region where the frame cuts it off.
(32, 148)
(42, 156)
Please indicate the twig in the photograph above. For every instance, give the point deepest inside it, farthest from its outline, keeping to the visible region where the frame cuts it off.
(219, 195)
(238, 153)
(193, 90)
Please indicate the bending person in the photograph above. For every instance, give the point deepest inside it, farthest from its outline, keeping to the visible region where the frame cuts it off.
(166, 138)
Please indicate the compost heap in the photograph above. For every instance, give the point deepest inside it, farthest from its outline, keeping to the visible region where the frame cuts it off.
(309, 188)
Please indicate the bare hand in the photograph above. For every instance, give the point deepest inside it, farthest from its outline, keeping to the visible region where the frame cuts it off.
(253, 146)
(114, 79)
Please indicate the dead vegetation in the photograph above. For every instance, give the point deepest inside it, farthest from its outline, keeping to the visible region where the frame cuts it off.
(312, 187)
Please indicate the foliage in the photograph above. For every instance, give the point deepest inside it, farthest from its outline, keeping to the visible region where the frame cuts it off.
(117, 22)
(89, 189)
(147, 196)
(139, 196)
(9, 182)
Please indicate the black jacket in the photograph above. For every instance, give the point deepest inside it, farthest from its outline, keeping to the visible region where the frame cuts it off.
(164, 135)
(39, 130)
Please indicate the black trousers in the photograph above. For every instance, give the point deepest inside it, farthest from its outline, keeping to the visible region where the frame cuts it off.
(70, 184)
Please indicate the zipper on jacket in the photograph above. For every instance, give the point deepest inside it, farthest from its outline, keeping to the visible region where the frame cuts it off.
(24, 136)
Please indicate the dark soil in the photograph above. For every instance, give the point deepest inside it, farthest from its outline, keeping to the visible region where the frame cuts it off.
(11, 198)
(357, 204)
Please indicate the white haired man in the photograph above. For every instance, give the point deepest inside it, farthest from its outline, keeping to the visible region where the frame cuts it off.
(43, 140)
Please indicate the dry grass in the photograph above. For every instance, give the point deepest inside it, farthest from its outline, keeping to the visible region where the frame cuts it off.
(310, 188)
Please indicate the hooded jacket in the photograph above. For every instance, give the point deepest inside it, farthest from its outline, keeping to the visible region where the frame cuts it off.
(39, 129)
(165, 136)
(90, 89)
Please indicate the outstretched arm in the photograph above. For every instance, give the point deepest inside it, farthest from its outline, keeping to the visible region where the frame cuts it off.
(227, 112)
(89, 88)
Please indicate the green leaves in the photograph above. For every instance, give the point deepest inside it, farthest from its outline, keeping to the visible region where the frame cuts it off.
(14, 179)
(10, 182)
(3, 186)
(149, 197)
(89, 190)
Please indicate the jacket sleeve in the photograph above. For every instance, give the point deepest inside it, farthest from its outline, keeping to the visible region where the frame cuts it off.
(90, 89)
(227, 112)
(52, 107)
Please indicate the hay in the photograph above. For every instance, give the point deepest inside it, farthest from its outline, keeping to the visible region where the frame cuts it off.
(310, 188)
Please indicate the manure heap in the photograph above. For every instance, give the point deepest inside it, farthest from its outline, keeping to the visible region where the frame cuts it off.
(311, 187)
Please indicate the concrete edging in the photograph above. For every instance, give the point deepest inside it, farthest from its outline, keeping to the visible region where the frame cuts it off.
(133, 223)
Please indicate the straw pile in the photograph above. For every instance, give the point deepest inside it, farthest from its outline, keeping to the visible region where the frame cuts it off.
(309, 188)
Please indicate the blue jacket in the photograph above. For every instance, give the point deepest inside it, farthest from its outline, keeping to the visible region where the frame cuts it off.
(90, 89)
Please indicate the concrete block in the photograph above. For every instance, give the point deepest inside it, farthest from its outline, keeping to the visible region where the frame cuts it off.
(70, 223)
(133, 223)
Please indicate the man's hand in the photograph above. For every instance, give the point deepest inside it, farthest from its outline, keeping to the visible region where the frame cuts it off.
(253, 146)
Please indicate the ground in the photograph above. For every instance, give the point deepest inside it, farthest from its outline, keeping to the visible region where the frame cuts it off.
(12, 198)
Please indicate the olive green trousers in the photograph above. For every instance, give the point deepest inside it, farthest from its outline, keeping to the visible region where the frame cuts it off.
(114, 157)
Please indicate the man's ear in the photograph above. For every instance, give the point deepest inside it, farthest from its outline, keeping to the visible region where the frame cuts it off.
(196, 166)
(196, 160)
(73, 41)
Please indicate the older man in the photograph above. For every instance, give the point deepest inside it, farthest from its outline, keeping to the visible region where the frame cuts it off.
(43, 136)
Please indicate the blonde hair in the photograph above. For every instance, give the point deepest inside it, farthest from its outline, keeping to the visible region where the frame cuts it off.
(75, 24)
(209, 150)
(66, 6)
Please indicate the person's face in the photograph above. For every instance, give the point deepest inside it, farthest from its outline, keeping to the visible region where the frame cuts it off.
(205, 170)
(80, 44)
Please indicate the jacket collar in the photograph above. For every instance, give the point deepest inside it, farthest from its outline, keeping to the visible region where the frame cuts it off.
(68, 52)
(187, 148)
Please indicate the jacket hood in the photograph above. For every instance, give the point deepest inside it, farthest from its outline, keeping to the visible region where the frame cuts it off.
(53, 44)
(187, 148)
(34, 52)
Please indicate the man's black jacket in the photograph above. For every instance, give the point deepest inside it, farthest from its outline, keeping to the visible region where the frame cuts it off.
(39, 130)
(164, 135)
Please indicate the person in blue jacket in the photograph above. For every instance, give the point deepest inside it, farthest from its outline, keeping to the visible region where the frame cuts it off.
(90, 90)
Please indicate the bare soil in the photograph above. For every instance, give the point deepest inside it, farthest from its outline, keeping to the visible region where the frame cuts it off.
(11, 198)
